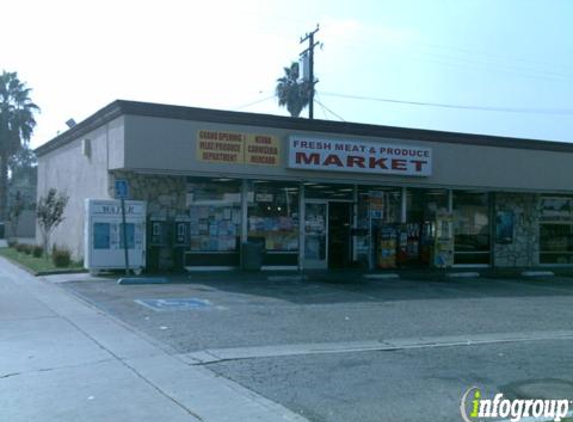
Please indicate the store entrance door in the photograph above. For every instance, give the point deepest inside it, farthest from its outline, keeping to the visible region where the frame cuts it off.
(339, 239)
(316, 234)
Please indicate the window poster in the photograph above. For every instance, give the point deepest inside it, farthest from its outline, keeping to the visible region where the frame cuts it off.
(214, 228)
(504, 227)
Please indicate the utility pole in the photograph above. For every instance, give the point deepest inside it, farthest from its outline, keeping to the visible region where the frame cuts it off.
(310, 51)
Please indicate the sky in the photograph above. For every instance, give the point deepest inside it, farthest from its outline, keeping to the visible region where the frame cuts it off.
(499, 67)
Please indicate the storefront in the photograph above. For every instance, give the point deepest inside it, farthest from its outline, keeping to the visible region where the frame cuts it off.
(315, 194)
(344, 225)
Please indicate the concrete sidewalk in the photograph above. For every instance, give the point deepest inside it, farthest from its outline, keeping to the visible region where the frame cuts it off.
(63, 360)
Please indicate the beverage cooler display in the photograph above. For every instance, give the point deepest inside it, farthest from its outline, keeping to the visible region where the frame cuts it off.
(443, 254)
(408, 243)
(104, 239)
(386, 252)
(405, 245)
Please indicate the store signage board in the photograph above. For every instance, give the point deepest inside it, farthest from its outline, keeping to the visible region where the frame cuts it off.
(220, 147)
(262, 150)
(113, 208)
(237, 148)
(359, 156)
(121, 189)
(264, 197)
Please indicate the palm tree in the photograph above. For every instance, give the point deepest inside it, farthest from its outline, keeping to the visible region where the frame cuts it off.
(291, 92)
(16, 125)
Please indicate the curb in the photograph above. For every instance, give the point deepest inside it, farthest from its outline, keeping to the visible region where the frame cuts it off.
(381, 276)
(142, 280)
(537, 274)
(468, 274)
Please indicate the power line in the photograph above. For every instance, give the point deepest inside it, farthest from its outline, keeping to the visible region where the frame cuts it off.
(330, 111)
(254, 102)
(454, 106)
(323, 109)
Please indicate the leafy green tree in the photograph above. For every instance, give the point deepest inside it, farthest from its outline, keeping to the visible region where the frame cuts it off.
(14, 213)
(50, 213)
(17, 123)
(22, 162)
(22, 181)
(293, 92)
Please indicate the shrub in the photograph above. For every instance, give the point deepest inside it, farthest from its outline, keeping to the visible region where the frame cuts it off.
(19, 247)
(61, 257)
(12, 243)
(37, 251)
(27, 249)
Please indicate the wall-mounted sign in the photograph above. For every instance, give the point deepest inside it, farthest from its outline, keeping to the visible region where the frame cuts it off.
(121, 189)
(359, 156)
(262, 150)
(237, 148)
(264, 197)
(113, 208)
(220, 147)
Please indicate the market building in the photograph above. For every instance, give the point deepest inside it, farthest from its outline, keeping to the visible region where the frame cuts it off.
(317, 194)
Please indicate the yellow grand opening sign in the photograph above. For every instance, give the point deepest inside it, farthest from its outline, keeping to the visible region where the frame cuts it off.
(237, 148)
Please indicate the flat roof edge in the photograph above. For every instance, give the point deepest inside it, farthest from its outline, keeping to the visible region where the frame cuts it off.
(145, 109)
(96, 120)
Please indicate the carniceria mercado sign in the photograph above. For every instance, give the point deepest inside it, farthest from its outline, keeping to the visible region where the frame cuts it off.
(359, 156)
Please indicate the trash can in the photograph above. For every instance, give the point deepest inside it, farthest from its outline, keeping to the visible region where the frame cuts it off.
(253, 252)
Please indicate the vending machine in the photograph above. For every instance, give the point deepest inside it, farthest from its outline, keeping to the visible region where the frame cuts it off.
(181, 240)
(386, 249)
(104, 237)
(157, 241)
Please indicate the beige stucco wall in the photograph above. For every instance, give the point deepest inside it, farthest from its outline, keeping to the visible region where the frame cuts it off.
(168, 146)
(68, 170)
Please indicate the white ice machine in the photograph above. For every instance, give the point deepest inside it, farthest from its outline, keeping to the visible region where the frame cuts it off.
(103, 234)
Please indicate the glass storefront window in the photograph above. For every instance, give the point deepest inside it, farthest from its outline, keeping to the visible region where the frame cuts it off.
(378, 209)
(416, 241)
(215, 214)
(273, 214)
(471, 228)
(556, 230)
(423, 204)
(328, 191)
(315, 231)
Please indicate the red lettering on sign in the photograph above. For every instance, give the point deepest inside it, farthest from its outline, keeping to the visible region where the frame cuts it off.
(302, 157)
(380, 162)
(355, 161)
(262, 139)
(332, 159)
(418, 164)
(399, 164)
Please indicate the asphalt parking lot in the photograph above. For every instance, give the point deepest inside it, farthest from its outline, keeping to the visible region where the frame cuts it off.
(333, 349)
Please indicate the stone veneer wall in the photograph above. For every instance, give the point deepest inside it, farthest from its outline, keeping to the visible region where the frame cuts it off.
(165, 197)
(524, 250)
